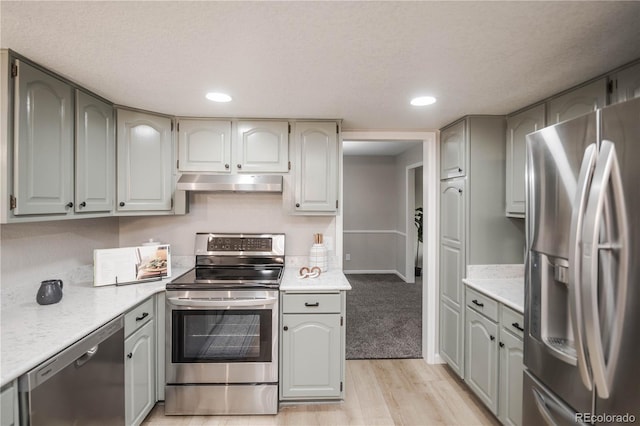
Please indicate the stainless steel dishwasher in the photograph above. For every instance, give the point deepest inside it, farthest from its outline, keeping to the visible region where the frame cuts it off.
(82, 385)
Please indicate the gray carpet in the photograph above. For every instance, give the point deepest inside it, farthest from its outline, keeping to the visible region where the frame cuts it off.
(384, 317)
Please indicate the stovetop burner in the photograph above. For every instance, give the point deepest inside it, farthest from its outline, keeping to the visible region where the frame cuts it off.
(238, 261)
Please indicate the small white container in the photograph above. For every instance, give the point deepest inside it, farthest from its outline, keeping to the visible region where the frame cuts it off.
(318, 257)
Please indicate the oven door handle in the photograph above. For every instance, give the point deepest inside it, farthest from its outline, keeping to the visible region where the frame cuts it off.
(221, 303)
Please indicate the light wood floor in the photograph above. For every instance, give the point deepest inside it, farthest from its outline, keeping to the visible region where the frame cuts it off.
(378, 392)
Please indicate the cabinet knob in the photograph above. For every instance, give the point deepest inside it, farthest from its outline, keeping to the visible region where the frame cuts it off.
(297, 204)
(129, 355)
(459, 190)
(69, 205)
(121, 203)
(83, 204)
(501, 344)
(285, 328)
(459, 169)
(492, 338)
(226, 166)
(239, 166)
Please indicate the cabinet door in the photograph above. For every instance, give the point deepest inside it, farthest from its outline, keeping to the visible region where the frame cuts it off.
(95, 154)
(316, 166)
(204, 146)
(626, 84)
(452, 336)
(311, 356)
(581, 101)
(140, 374)
(451, 269)
(9, 415)
(453, 151)
(262, 146)
(518, 127)
(481, 359)
(452, 208)
(43, 181)
(511, 371)
(144, 162)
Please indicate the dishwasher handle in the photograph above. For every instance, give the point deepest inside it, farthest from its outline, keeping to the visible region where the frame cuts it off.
(79, 353)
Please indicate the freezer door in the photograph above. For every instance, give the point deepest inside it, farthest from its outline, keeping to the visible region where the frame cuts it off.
(540, 406)
(558, 159)
(621, 126)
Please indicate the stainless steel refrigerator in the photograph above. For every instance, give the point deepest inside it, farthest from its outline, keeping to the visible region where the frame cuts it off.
(582, 280)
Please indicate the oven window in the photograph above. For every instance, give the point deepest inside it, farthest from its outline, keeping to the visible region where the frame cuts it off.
(221, 336)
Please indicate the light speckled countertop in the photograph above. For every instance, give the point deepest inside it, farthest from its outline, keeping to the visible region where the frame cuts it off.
(504, 283)
(332, 280)
(32, 333)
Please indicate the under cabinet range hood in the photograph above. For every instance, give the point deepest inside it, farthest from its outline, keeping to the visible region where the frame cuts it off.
(230, 183)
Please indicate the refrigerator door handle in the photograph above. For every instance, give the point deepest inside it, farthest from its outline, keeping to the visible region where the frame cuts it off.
(575, 301)
(548, 407)
(607, 172)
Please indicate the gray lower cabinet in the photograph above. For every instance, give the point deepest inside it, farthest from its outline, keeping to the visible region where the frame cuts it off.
(452, 336)
(312, 351)
(145, 158)
(494, 361)
(140, 362)
(9, 414)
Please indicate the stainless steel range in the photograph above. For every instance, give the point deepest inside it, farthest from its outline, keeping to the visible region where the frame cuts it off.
(222, 327)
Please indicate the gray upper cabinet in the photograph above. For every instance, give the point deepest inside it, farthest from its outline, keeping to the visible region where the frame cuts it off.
(316, 167)
(453, 151)
(582, 100)
(43, 143)
(204, 145)
(626, 84)
(95, 154)
(518, 126)
(262, 146)
(145, 180)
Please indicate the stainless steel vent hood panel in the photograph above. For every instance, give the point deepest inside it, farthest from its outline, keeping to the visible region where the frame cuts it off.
(230, 183)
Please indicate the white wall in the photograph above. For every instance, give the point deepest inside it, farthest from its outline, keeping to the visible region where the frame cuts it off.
(370, 209)
(229, 212)
(33, 252)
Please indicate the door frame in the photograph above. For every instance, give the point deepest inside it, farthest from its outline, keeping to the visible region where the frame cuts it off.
(431, 180)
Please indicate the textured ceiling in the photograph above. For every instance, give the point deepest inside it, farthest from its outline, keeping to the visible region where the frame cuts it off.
(360, 61)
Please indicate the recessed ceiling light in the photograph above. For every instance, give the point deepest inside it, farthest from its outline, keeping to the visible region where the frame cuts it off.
(218, 97)
(423, 100)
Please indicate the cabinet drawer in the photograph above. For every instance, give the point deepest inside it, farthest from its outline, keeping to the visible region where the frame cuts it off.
(138, 316)
(311, 303)
(483, 304)
(512, 321)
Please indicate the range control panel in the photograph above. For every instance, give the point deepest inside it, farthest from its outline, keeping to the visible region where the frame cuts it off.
(238, 244)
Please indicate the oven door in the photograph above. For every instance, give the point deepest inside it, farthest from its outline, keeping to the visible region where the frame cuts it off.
(222, 336)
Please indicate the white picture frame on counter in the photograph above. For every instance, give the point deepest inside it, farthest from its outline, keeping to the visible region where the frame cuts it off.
(131, 265)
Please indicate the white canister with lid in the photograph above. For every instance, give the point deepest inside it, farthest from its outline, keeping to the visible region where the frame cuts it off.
(318, 254)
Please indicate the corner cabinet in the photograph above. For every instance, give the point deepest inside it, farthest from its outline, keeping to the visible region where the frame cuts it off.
(145, 178)
(140, 362)
(518, 127)
(316, 167)
(95, 155)
(313, 346)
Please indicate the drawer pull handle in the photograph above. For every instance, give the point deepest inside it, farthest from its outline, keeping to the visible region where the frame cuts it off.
(143, 316)
(311, 305)
(517, 326)
(475, 302)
